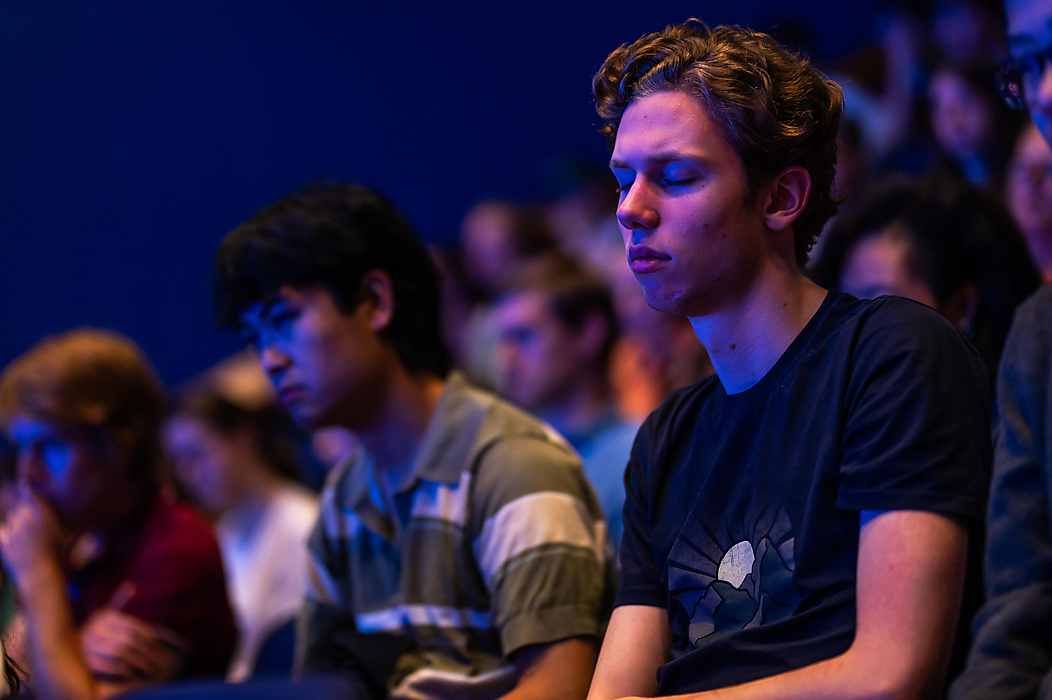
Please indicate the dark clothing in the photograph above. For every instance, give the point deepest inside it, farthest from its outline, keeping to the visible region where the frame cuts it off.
(164, 568)
(1011, 656)
(742, 511)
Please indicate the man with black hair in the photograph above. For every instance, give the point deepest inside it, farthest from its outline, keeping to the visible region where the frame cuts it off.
(461, 553)
(796, 526)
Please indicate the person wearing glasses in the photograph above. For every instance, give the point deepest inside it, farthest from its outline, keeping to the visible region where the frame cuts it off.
(1011, 654)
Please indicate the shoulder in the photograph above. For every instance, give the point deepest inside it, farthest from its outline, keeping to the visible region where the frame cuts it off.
(1038, 305)
(516, 455)
(678, 413)
(176, 528)
(902, 331)
(1031, 323)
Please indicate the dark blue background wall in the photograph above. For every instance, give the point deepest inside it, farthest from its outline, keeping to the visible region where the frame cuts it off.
(134, 135)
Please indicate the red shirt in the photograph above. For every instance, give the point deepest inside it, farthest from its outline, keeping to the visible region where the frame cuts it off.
(164, 567)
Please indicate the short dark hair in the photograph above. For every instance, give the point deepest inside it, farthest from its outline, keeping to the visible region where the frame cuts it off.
(329, 235)
(771, 105)
(94, 381)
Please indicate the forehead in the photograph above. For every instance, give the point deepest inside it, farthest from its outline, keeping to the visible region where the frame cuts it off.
(667, 126)
(1029, 24)
(522, 307)
(258, 313)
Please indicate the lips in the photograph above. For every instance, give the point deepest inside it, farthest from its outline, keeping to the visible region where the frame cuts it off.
(645, 260)
(290, 394)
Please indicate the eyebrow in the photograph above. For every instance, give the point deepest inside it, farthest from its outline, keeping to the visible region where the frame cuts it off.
(657, 158)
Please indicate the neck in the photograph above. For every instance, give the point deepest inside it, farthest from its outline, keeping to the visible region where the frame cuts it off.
(579, 409)
(404, 412)
(122, 502)
(744, 340)
(255, 495)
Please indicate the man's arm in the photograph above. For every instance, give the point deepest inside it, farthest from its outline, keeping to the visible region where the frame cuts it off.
(559, 670)
(637, 643)
(910, 579)
(1012, 651)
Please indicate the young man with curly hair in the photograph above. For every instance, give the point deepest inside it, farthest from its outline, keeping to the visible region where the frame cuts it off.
(798, 525)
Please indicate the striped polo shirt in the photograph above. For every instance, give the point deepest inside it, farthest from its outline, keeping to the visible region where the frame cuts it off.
(496, 543)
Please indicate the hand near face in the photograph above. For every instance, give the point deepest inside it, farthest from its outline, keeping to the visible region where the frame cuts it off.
(31, 538)
(121, 647)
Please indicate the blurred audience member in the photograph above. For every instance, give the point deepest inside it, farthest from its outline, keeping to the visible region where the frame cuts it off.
(120, 585)
(938, 242)
(240, 466)
(1011, 656)
(556, 330)
(973, 129)
(498, 240)
(968, 32)
(1028, 193)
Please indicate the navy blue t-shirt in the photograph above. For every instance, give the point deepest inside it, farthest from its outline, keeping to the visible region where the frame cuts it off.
(742, 511)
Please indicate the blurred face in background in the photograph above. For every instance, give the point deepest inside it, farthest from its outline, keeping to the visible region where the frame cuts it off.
(1029, 36)
(206, 462)
(961, 119)
(537, 356)
(1028, 194)
(878, 265)
(71, 469)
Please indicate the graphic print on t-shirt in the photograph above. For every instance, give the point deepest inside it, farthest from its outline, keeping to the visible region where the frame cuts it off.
(735, 580)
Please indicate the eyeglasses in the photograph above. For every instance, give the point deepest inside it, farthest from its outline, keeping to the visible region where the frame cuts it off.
(1013, 74)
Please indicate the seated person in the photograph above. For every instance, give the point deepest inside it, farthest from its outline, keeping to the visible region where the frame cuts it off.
(460, 552)
(556, 327)
(240, 466)
(1028, 194)
(796, 526)
(120, 585)
(938, 242)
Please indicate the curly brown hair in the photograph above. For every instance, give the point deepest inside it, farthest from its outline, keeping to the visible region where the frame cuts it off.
(772, 106)
(95, 380)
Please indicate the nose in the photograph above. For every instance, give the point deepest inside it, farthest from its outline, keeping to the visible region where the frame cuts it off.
(272, 360)
(29, 465)
(636, 210)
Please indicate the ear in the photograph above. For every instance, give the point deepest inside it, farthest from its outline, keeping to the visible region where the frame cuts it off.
(786, 197)
(592, 334)
(377, 292)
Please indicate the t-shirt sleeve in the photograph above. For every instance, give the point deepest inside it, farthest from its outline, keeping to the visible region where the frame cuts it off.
(640, 583)
(916, 433)
(538, 539)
